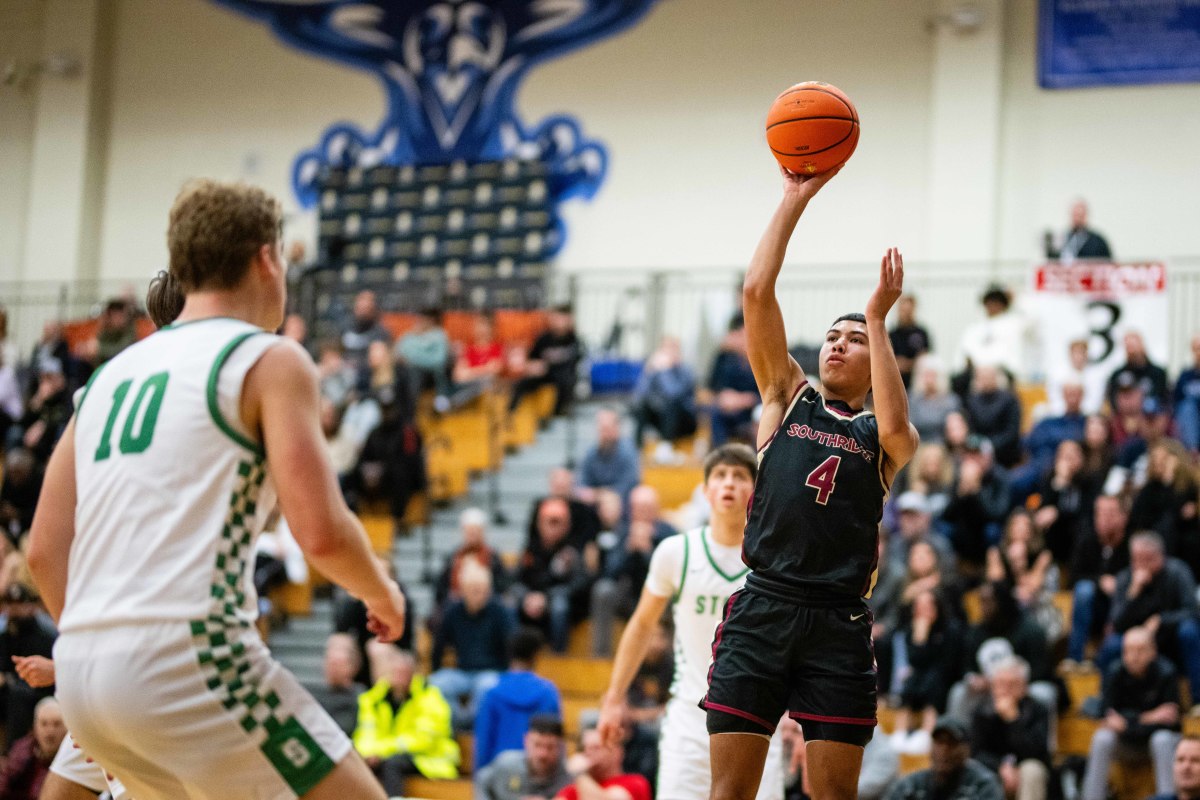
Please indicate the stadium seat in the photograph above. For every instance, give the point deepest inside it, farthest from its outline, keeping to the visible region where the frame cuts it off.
(438, 790)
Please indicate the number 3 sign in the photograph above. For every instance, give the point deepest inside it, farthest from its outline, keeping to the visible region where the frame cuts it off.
(1100, 302)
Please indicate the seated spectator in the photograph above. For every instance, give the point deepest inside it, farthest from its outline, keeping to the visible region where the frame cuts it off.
(336, 377)
(952, 773)
(1186, 771)
(915, 524)
(1166, 503)
(1132, 461)
(997, 340)
(994, 411)
(338, 695)
(597, 767)
(391, 467)
(404, 727)
(665, 396)
(1140, 703)
(1010, 733)
(47, 412)
(472, 522)
(955, 433)
(116, 332)
(1001, 622)
(425, 350)
(29, 757)
(909, 338)
(479, 365)
(931, 473)
(554, 578)
(884, 603)
(553, 361)
(20, 486)
(385, 374)
(1043, 442)
(507, 710)
(735, 392)
(29, 632)
(1062, 501)
(538, 772)
(12, 399)
(278, 560)
(1187, 401)
(1156, 592)
(930, 400)
(364, 328)
(612, 463)
(1101, 554)
(1080, 372)
(1098, 453)
(1022, 561)
(626, 564)
(585, 522)
(477, 628)
(350, 616)
(930, 642)
(979, 504)
(1138, 370)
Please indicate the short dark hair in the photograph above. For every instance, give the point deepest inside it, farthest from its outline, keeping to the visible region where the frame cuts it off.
(216, 228)
(734, 455)
(853, 316)
(525, 644)
(546, 724)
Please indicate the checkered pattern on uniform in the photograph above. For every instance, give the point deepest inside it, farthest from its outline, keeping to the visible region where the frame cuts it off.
(228, 671)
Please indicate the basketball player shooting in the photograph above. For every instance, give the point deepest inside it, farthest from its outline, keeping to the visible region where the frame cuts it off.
(797, 638)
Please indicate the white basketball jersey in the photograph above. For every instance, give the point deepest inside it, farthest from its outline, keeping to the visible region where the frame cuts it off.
(171, 489)
(698, 575)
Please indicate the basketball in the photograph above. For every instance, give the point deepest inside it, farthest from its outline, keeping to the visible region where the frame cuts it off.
(812, 128)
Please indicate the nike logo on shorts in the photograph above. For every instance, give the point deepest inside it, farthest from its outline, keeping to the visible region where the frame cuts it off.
(856, 617)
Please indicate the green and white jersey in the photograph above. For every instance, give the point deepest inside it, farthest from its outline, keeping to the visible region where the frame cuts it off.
(171, 489)
(698, 575)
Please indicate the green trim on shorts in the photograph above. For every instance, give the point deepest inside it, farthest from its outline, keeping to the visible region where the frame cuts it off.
(214, 407)
(223, 660)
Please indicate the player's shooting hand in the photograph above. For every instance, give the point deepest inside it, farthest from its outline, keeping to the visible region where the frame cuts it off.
(891, 285)
(37, 671)
(385, 617)
(803, 188)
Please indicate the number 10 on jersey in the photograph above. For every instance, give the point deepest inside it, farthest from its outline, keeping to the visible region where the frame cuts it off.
(151, 393)
(824, 478)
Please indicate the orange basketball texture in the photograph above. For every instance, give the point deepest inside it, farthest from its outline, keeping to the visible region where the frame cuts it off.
(812, 127)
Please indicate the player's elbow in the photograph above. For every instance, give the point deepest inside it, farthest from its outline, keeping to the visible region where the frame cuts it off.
(319, 536)
(756, 290)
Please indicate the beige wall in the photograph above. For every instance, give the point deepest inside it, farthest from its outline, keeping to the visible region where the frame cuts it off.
(680, 99)
(20, 42)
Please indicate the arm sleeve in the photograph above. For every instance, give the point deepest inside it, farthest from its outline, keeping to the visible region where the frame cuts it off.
(1183, 595)
(666, 568)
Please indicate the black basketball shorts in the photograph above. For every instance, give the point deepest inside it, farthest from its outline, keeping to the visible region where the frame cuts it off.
(816, 663)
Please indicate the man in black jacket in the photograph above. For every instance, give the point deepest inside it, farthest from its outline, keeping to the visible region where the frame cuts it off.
(1010, 733)
(1080, 241)
(1100, 555)
(1156, 592)
(952, 773)
(979, 503)
(1141, 715)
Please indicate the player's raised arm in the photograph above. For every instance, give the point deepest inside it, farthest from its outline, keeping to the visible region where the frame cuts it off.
(897, 436)
(775, 371)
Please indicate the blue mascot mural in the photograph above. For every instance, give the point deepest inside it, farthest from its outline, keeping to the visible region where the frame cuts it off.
(451, 70)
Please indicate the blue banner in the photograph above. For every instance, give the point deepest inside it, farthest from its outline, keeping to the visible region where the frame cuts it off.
(1118, 42)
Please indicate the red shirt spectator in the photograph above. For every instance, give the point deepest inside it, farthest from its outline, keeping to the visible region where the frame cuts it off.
(599, 764)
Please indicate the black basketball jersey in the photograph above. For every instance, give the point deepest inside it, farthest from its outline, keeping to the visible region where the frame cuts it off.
(813, 525)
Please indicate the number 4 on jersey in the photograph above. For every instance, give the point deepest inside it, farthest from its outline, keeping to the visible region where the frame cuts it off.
(823, 478)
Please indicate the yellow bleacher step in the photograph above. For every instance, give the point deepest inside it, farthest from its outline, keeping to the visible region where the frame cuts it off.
(910, 762)
(581, 677)
(674, 483)
(417, 786)
(294, 599)
(381, 530)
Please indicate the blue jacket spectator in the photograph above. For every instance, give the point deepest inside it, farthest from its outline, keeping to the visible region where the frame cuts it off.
(504, 715)
(665, 395)
(1187, 401)
(1042, 442)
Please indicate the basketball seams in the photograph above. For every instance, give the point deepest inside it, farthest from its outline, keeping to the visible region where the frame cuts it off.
(853, 111)
(853, 128)
(805, 119)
